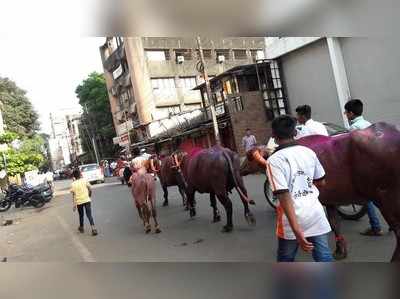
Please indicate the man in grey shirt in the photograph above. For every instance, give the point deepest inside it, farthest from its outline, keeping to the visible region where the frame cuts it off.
(249, 141)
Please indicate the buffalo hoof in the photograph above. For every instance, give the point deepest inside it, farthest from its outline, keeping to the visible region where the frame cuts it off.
(252, 202)
(340, 252)
(227, 229)
(251, 220)
(217, 218)
(165, 204)
(147, 230)
(192, 213)
(158, 230)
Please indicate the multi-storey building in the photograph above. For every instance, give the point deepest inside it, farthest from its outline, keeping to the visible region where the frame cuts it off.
(65, 142)
(151, 79)
(75, 141)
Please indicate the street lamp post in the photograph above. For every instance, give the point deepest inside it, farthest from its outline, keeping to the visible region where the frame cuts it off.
(208, 90)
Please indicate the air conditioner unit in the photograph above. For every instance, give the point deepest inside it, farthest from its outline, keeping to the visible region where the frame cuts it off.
(221, 58)
(260, 55)
(180, 59)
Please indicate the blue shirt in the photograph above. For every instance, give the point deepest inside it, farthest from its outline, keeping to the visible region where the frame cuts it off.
(359, 123)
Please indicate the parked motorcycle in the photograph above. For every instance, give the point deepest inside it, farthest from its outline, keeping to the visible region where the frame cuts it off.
(24, 197)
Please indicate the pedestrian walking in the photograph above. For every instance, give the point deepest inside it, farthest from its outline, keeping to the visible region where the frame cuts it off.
(249, 141)
(353, 111)
(295, 173)
(81, 200)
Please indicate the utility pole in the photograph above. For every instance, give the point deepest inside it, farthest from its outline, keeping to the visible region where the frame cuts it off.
(92, 137)
(128, 132)
(208, 90)
(95, 150)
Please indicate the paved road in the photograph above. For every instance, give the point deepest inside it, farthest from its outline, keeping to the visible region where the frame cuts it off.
(50, 234)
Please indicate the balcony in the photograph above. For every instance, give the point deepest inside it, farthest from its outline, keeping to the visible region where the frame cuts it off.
(114, 59)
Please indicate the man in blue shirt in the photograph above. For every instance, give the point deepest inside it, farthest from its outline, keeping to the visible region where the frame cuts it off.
(353, 111)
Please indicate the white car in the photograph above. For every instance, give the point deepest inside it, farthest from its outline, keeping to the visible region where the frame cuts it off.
(92, 173)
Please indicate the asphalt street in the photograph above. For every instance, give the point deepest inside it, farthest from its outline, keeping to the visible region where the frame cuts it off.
(50, 234)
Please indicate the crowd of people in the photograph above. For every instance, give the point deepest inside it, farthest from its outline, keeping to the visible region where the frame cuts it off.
(295, 174)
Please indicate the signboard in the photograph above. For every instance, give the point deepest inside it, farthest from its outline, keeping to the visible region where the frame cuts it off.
(3, 147)
(124, 140)
(116, 140)
(123, 128)
(118, 72)
(219, 110)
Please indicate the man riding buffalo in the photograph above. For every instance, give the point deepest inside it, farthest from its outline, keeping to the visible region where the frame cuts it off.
(214, 171)
(359, 165)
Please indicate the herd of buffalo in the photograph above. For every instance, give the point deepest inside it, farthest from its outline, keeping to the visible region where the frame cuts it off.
(360, 166)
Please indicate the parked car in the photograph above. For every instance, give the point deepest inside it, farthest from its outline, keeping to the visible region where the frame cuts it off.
(92, 173)
(334, 129)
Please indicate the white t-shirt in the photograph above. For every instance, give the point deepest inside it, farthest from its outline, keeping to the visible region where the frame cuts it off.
(293, 169)
(311, 127)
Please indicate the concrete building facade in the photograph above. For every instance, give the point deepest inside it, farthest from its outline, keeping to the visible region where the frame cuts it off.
(65, 142)
(150, 79)
(326, 72)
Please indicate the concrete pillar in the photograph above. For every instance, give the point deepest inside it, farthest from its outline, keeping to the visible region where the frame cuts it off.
(113, 99)
(339, 73)
(140, 78)
(180, 93)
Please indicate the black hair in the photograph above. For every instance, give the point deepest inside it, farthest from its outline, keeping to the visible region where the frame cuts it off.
(355, 106)
(304, 110)
(248, 129)
(284, 127)
(76, 173)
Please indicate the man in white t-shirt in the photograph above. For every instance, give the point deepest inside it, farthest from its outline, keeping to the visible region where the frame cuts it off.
(295, 172)
(308, 126)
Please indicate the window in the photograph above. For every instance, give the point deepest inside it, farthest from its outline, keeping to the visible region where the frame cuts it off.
(237, 104)
(163, 83)
(188, 82)
(240, 54)
(157, 55)
(272, 90)
(164, 88)
(207, 53)
(223, 52)
(186, 53)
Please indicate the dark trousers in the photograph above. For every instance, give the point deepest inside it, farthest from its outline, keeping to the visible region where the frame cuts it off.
(88, 208)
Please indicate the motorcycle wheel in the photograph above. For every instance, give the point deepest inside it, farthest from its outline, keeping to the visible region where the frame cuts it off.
(5, 205)
(352, 212)
(271, 199)
(38, 202)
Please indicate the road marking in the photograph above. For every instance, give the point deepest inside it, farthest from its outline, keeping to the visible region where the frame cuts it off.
(82, 249)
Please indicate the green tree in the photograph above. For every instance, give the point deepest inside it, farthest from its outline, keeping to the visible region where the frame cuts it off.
(18, 112)
(29, 156)
(97, 117)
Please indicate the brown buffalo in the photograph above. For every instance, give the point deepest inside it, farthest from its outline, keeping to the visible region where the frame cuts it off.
(167, 171)
(144, 195)
(214, 171)
(360, 166)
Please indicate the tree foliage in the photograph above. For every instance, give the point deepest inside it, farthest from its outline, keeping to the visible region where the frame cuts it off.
(29, 156)
(18, 112)
(97, 117)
